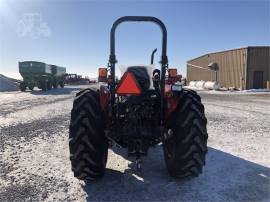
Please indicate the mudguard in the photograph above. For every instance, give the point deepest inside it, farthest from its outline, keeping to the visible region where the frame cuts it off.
(104, 95)
(171, 102)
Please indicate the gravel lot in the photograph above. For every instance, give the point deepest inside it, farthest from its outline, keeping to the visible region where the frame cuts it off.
(34, 156)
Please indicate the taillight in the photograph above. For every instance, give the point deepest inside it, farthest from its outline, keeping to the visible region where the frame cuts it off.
(172, 73)
(128, 85)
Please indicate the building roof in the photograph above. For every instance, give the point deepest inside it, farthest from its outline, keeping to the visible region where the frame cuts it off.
(228, 51)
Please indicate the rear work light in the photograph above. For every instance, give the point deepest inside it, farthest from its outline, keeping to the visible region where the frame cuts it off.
(172, 73)
(128, 85)
(102, 72)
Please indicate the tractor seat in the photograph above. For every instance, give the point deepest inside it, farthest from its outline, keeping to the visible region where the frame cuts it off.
(141, 76)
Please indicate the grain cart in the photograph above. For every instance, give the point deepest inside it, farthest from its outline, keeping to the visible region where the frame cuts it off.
(58, 76)
(42, 75)
(136, 114)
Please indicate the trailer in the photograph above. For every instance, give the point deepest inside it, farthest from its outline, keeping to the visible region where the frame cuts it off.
(41, 75)
(74, 79)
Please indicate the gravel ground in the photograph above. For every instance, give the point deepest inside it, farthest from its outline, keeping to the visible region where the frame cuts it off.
(34, 156)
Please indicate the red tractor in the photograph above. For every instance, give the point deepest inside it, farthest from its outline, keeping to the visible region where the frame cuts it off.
(138, 112)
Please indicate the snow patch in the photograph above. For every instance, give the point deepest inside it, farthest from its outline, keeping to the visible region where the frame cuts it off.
(257, 90)
(7, 85)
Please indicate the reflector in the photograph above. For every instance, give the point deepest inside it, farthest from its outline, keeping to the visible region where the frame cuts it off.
(172, 73)
(102, 72)
(128, 85)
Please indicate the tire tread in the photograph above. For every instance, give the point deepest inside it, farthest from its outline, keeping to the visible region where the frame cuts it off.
(189, 140)
(87, 141)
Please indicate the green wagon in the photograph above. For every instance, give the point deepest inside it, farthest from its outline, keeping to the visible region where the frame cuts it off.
(41, 75)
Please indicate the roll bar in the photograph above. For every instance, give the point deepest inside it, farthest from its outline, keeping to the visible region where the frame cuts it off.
(112, 58)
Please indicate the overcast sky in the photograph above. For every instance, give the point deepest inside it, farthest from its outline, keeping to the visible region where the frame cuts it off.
(75, 34)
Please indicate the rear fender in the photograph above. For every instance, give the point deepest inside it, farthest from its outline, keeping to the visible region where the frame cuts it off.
(104, 99)
(104, 95)
(171, 102)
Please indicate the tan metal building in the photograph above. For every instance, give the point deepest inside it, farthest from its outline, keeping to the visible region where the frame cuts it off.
(245, 68)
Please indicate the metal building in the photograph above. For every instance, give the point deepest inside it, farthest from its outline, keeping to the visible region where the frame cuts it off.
(244, 68)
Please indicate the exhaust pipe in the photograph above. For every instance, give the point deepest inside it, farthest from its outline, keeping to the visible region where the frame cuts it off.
(152, 56)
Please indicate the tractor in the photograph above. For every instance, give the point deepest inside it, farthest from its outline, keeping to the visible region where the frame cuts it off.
(137, 112)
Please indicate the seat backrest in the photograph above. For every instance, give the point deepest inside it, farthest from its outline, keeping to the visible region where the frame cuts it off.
(141, 76)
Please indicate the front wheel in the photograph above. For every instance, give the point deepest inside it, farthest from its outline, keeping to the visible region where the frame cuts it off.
(49, 85)
(22, 86)
(61, 83)
(55, 85)
(31, 86)
(185, 141)
(43, 85)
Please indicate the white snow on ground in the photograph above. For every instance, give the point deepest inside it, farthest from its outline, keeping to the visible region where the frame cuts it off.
(7, 85)
(225, 91)
(34, 154)
(257, 90)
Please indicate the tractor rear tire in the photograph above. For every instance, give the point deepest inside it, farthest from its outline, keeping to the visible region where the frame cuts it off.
(185, 143)
(87, 141)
